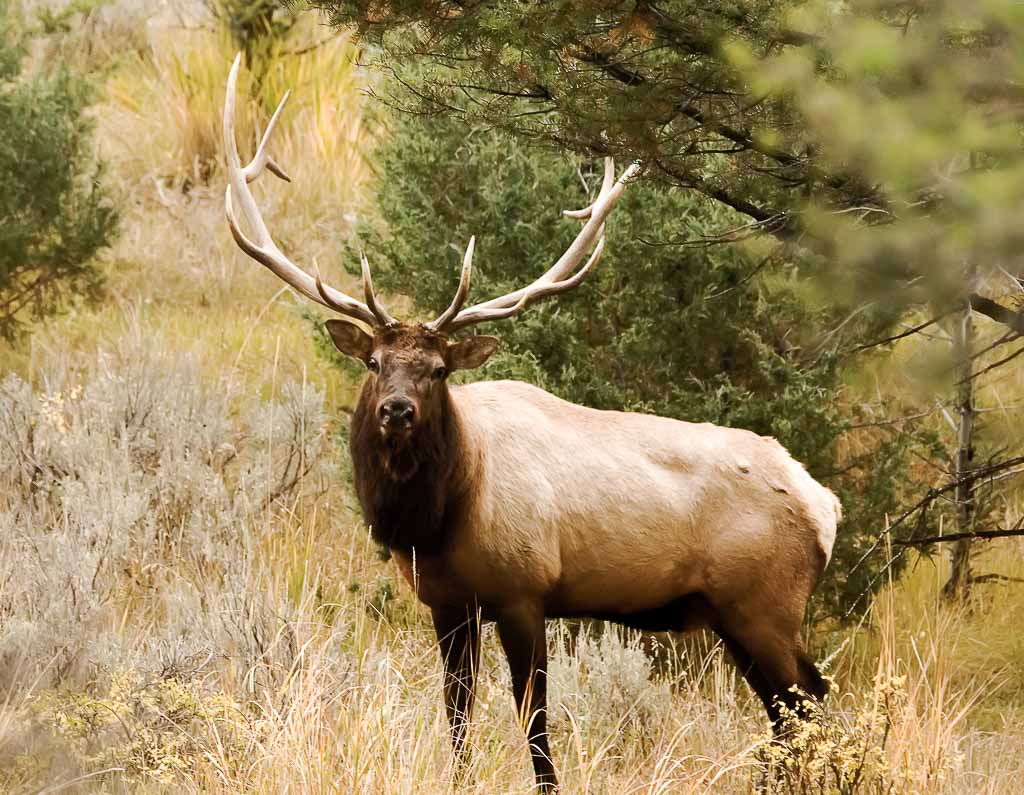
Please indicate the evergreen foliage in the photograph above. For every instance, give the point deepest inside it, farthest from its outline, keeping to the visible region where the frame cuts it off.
(705, 334)
(54, 216)
(884, 134)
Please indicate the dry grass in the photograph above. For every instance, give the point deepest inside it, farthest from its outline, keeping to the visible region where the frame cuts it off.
(159, 129)
(172, 619)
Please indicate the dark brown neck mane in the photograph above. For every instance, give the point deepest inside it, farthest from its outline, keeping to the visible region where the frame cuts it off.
(408, 492)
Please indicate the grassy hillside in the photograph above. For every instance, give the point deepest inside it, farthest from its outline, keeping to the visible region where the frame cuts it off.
(189, 602)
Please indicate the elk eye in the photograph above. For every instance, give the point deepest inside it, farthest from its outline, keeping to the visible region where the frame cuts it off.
(440, 372)
(373, 365)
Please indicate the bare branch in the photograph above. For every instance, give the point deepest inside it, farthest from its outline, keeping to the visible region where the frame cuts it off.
(921, 542)
(899, 336)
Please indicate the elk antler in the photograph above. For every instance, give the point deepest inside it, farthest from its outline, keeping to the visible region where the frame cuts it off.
(264, 250)
(557, 278)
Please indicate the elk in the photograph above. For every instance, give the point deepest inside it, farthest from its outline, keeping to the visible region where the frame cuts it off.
(501, 502)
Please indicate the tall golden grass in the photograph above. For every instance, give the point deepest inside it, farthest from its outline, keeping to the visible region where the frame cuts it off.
(353, 705)
(163, 117)
(160, 128)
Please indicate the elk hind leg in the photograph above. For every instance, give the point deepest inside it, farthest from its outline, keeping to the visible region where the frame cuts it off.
(785, 675)
(752, 674)
(811, 680)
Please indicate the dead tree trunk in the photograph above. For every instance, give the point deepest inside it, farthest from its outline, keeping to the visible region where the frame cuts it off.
(959, 583)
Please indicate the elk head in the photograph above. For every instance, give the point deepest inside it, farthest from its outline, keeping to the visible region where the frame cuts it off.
(407, 363)
(407, 369)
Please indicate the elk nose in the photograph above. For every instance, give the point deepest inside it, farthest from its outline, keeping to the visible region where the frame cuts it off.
(397, 411)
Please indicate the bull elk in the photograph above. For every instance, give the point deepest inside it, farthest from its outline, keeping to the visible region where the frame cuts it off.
(501, 502)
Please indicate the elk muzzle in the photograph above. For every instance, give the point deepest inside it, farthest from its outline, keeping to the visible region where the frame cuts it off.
(396, 415)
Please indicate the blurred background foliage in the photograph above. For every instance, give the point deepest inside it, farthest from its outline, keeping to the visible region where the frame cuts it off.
(885, 134)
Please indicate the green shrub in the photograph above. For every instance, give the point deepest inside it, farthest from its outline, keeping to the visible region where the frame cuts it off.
(54, 216)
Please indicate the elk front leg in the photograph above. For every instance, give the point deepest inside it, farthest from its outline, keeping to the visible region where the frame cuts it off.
(521, 629)
(458, 636)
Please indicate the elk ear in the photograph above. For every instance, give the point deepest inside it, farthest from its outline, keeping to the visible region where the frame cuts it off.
(471, 352)
(350, 339)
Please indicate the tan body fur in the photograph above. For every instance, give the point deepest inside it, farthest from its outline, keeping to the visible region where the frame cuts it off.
(643, 520)
(576, 507)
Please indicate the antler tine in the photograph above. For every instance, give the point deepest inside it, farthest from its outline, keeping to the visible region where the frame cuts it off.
(322, 288)
(557, 278)
(371, 297)
(606, 185)
(263, 249)
(381, 314)
(479, 314)
(446, 317)
(597, 213)
(262, 158)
